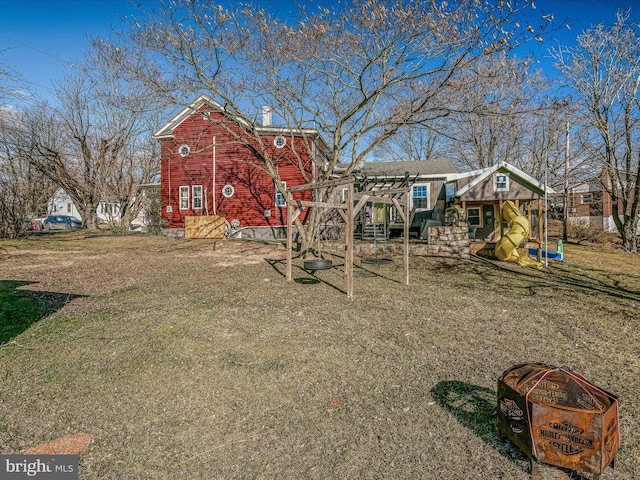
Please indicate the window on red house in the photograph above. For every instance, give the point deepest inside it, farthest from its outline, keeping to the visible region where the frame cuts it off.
(280, 200)
(196, 197)
(184, 198)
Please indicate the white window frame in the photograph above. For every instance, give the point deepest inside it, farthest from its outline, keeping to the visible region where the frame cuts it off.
(427, 195)
(586, 198)
(280, 141)
(344, 193)
(184, 197)
(195, 197)
(504, 188)
(279, 199)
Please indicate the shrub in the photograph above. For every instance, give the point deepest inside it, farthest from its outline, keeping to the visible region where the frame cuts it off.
(153, 212)
(583, 230)
(118, 230)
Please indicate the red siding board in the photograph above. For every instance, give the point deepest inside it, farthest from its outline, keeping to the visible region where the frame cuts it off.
(226, 162)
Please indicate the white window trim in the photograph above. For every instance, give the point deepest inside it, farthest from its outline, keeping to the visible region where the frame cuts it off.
(193, 196)
(277, 195)
(587, 195)
(280, 141)
(183, 188)
(495, 182)
(428, 196)
(344, 193)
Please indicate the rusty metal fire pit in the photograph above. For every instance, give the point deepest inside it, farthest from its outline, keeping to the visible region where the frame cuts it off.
(557, 417)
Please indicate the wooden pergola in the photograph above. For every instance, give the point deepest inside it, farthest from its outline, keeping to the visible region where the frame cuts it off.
(348, 212)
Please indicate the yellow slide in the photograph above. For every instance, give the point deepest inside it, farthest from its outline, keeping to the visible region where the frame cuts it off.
(507, 246)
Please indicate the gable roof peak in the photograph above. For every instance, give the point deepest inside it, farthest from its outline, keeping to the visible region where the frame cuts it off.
(167, 130)
(502, 166)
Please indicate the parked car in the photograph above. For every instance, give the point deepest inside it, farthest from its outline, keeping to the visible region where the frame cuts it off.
(61, 222)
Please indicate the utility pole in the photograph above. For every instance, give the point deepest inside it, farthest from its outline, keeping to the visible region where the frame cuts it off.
(565, 209)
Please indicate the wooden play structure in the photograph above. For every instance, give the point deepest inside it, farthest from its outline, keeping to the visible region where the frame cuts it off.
(484, 243)
(399, 198)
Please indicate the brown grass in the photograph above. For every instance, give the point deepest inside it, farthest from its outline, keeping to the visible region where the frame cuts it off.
(197, 359)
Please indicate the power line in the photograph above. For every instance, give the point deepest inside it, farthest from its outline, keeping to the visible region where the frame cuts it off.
(57, 59)
(63, 63)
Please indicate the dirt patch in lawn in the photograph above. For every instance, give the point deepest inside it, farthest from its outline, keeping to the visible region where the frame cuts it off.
(71, 444)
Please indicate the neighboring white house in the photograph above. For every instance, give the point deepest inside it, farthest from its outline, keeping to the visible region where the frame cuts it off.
(61, 204)
(107, 212)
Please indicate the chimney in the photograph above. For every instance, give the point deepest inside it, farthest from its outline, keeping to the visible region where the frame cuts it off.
(266, 116)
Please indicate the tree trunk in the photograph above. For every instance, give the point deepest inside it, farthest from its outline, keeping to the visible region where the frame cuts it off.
(89, 218)
(308, 233)
(629, 234)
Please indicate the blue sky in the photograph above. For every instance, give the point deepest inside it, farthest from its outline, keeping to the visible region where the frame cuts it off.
(40, 39)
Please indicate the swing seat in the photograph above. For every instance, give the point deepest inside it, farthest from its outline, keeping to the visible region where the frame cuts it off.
(318, 264)
(377, 261)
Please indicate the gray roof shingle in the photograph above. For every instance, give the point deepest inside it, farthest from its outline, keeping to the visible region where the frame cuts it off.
(415, 167)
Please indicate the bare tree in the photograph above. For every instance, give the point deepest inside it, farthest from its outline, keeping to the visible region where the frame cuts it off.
(497, 104)
(23, 190)
(413, 142)
(8, 81)
(604, 70)
(96, 144)
(358, 73)
(543, 137)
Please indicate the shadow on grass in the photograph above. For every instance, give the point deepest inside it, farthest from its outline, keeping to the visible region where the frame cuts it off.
(21, 308)
(371, 271)
(475, 408)
(581, 279)
(280, 267)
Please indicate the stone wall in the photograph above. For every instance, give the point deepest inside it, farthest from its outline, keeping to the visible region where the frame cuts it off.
(449, 240)
(442, 241)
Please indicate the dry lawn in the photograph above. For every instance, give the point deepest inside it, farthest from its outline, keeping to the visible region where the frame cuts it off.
(198, 360)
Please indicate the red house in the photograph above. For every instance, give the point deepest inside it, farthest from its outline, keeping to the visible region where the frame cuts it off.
(590, 203)
(216, 163)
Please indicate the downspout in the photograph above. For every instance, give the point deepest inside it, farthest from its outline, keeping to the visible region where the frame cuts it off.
(314, 166)
(315, 161)
(214, 176)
